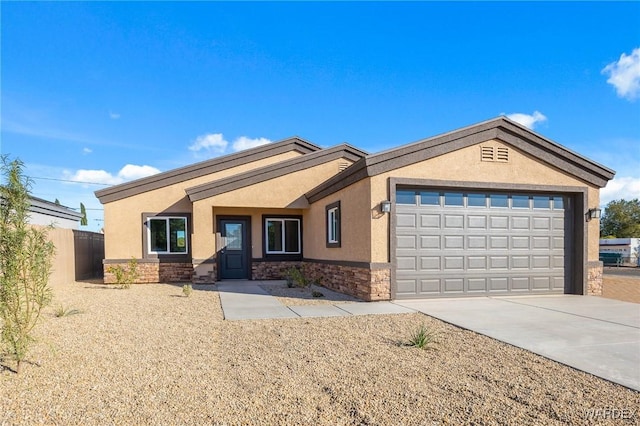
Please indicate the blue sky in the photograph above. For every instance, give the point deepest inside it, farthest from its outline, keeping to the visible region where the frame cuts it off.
(108, 92)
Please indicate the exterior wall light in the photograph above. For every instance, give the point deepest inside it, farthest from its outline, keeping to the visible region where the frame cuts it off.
(593, 214)
(385, 206)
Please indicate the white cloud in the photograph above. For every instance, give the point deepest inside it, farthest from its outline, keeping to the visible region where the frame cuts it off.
(127, 173)
(114, 115)
(87, 151)
(244, 142)
(527, 120)
(214, 142)
(624, 187)
(624, 75)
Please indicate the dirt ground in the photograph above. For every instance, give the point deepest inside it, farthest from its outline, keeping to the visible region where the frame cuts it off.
(148, 355)
(621, 284)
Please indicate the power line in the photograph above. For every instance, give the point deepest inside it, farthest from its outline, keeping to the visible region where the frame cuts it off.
(71, 181)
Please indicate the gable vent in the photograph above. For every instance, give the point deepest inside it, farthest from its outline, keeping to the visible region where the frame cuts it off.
(342, 166)
(486, 153)
(502, 154)
(498, 154)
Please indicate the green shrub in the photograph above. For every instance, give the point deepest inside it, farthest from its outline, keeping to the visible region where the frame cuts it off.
(61, 311)
(125, 276)
(187, 289)
(422, 338)
(295, 278)
(26, 256)
(317, 294)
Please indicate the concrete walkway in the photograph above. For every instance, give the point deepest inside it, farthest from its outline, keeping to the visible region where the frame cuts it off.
(247, 300)
(592, 334)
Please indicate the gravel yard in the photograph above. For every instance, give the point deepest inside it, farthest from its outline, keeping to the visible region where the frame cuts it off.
(150, 356)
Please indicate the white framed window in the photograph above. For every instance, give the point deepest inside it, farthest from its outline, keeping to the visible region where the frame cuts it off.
(282, 236)
(167, 235)
(333, 224)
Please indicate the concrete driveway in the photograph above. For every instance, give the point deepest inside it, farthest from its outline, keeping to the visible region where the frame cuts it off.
(592, 334)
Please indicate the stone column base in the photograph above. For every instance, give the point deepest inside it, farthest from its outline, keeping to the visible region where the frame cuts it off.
(594, 278)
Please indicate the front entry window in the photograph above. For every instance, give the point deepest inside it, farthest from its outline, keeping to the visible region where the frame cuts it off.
(282, 236)
(167, 235)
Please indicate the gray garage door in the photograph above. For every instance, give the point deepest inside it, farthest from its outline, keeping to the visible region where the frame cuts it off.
(480, 243)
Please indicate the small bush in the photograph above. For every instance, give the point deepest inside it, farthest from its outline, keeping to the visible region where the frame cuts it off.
(317, 294)
(422, 338)
(295, 278)
(187, 289)
(61, 311)
(125, 276)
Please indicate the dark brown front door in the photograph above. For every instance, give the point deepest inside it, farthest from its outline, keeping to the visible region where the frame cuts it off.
(233, 256)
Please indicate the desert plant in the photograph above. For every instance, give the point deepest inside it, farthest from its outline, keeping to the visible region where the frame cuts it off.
(316, 293)
(296, 278)
(187, 289)
(61, 311)
(25, 265)
(422, 338)
(125, 276)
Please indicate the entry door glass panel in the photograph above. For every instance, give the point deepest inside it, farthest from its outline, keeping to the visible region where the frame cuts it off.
(233, 232)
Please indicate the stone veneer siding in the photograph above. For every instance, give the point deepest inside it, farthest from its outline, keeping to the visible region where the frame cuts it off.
(361, 282)
(210, 278)
(153, 272)
(594, 278)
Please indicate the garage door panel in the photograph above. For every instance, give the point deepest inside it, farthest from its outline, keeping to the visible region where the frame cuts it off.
(476, 242)
(541, 262)
(430, 263)
(406, 286)
(520, 262)
(558, 224)
(453, 221)
(521, 223)
(498, 242)
(542, 223)
(498, 284)
(520, 243)
(430, 242)
(510, 244)
(477, 263)
(541, 243)
(453, 242)
(558, 262)
(477, 222)
(406, 220)
(520, 284)
(453, 285)
(453, 263)
(498, 262)
(498, 222)
(477, 285)
(558, 243)
(406, 242)
(430, 221)
(430, 286)
(406, 263)
(557, 283)
(541, 283)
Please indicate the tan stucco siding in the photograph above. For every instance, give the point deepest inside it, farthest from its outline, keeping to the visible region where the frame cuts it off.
(465, 165)
(282, 192)
(355, 227)
(123, 218)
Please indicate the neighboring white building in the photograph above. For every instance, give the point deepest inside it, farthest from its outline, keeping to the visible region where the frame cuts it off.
(629, 248)
(45, 213)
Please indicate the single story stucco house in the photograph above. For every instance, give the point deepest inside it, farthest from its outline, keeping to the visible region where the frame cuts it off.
(490, 209)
